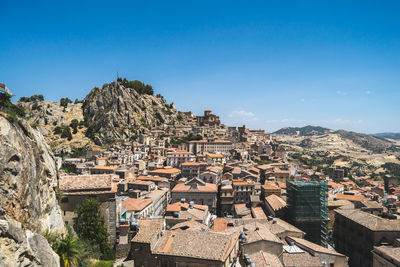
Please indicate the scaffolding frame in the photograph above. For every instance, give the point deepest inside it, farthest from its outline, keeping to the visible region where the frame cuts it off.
(307, 208)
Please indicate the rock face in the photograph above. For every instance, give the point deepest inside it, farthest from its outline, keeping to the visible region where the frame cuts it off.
(28, 205)
(47, 115)
(21, 247)
(45, 112)
(116, 112)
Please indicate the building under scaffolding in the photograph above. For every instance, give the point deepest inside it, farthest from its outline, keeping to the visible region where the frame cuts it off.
(307, 208)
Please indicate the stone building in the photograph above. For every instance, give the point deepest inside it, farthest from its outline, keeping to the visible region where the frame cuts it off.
(176, 158)
(192, 169)
(335, 173)
(328, 256)
(179, 212)
(144, 241)
(386, 256)
(210, 146)
(197, 191)
(75, 189)
(357, 232)
(227, 198)
(170, 173)
(243, 190)
(208, 119)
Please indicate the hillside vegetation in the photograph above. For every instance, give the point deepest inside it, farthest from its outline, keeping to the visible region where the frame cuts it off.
(360, 153)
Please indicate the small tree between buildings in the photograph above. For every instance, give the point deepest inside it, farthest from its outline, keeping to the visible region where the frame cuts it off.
(89, 225)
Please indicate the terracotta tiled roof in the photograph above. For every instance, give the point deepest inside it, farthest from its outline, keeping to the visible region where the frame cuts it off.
(278, 226)
(241, 209)
(339, 203)
(209, 141)
(334, 185)
(147, 230)
(370, 221)
(270, 186)
(215, 155)
(165, 171)
(193, 244)
(208, 188)
(136, 204)
(151, 178)
(178, 206)
(307, 245)
(182, 152)
(389, 253)
(108, 168)
(275, 202)
(190, 226)
(215, 168)
(140, 182)
(192, 163)
(351, 197)
(220, 224)
(253, 169)
(300, 260)
(258, 213)
(254, 232)
(265, 259)
(241, 182)
(85, 182)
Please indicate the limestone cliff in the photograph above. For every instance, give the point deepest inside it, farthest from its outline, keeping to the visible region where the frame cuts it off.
(116, 112)
(47, 115)
(28, 205)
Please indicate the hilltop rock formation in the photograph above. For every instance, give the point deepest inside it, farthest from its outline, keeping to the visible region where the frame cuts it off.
(28, 205)
(115, 112)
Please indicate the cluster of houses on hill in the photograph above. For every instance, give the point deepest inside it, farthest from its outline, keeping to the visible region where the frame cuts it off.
(221, 200)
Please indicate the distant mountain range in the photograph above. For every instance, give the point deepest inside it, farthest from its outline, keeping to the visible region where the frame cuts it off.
(375, 143)
(303, 131)
(387, 135)
(320, 147)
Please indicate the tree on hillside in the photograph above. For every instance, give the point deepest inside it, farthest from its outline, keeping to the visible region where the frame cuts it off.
(65, 101)
(74, 125)
(34, 98)
(89, 225)
(139, 86)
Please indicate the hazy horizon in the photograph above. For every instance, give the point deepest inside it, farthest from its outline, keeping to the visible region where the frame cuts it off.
(264, 64)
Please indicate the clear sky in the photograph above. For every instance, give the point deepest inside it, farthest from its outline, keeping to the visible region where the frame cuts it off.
(266, 64)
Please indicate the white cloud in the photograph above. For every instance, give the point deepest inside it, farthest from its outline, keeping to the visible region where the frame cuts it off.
(368, 92)
(302, 100)
(242, 113)
(342, 93)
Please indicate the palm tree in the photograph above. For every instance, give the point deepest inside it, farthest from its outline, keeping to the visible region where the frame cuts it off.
(67, 249)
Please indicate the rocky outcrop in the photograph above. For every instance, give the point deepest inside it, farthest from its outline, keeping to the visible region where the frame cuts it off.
(47, 115)
(28, 204)
(115, 112)
(46, 112)
(20, 247)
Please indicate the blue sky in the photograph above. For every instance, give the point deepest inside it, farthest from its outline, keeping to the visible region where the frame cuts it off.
(266, 64)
